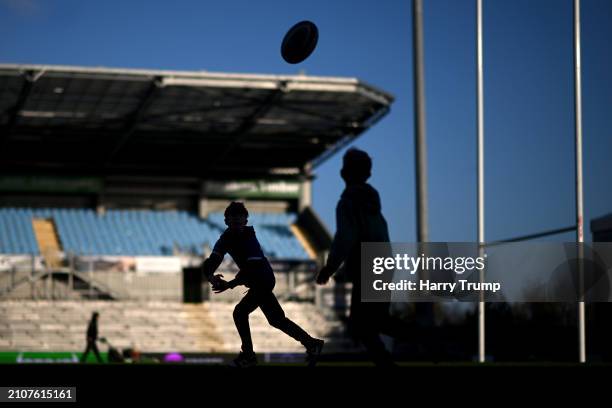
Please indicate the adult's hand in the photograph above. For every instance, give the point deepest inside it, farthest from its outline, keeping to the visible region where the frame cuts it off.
(323, 276)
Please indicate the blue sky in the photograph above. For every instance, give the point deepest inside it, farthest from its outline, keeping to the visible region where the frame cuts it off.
(529, 120)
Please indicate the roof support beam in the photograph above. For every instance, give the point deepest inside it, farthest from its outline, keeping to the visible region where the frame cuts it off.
(13, 112)
(242, 132)
(134, 117)
(149, 170)
(326, 118)
(192, 111)
(348, 138)
(64, 134)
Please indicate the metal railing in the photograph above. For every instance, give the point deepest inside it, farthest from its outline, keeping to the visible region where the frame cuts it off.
(28, 277)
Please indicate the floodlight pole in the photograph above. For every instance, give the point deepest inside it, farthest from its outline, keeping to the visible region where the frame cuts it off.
(424, 310)
(420, 148)
(579, 190)
(480, 172)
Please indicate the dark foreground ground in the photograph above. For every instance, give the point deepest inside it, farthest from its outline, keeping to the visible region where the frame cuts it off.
(135, 385)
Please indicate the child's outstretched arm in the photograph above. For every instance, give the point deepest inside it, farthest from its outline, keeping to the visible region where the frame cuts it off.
(210, 265)
(221, 285)
(215, 258)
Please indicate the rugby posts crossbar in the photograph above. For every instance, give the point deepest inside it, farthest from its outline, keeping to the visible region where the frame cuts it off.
(534, 236)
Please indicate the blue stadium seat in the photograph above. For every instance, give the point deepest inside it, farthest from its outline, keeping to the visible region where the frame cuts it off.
(140, 232)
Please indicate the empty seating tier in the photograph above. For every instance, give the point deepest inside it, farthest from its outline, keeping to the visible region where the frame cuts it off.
(140, 232)
(153, 326)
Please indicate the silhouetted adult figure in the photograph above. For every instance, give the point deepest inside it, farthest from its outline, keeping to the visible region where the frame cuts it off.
(359, 219)
(92, 337)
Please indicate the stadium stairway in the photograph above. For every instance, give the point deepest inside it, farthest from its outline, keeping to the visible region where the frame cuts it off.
(48, 241)
(154, 326)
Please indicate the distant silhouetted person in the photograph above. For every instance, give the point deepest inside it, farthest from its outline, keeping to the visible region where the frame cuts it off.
(359, 219)
(255, 273)
(92, 338)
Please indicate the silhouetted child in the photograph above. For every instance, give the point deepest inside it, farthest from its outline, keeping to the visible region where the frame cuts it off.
(255, 273)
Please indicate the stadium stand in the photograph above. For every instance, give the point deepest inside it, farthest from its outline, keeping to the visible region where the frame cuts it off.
(153, 326)
(163, 152)
(139, 232)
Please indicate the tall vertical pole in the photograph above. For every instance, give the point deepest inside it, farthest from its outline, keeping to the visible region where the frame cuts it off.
(419, 121)
(424, 310)
(480, 170)
(579, 192)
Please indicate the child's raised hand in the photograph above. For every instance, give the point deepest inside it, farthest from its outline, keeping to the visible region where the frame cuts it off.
(215, 279)
(220, 285)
